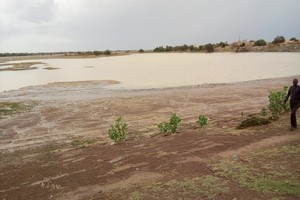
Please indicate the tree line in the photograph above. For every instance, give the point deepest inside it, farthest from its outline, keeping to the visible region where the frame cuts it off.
(190, 48)
(79, 53)
(211, 47)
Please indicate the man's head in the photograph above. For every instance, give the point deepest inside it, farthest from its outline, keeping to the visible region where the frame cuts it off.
(295, 82)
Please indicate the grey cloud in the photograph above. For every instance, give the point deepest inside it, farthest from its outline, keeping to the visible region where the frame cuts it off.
(133, 24)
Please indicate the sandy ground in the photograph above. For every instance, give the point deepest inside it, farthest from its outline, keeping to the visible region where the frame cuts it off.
(36, 145)
(62, 112)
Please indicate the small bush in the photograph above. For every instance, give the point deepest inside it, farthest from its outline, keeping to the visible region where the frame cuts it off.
(174, 122)
(164, 127)
(170, 127)
(276, 101)
(202, 121)
(117, 131)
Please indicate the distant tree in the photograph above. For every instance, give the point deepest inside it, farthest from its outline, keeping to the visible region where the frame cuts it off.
(278, 39)
(294, 39)
(169, 48)
(97, 53)
(243, 44)
(209, 47)
(159, 49)
(201, 48)
(184, 47)
(195, 49)
(192, 48)
(260, 42)
(107, 52)
(222, 44)
(141, 51)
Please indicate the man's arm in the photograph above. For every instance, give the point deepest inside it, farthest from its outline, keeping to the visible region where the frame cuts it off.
(288, 95)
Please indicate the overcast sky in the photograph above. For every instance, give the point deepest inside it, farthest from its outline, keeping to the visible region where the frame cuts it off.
(79, 25)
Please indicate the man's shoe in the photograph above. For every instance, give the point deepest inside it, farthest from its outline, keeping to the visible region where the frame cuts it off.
(293, 128)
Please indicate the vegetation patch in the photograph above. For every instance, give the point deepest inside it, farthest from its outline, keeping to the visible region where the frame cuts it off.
(20, 66)
(9, 108)
(82, 143)
(276, 106)
(135, 196)
(273, 172)
(253, 121)
(170, 127)
(189, 188)
(276, 102)
(164, 153)
(117, 131)
(202, 121)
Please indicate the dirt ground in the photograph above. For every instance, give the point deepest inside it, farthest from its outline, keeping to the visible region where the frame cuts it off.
(58, 147)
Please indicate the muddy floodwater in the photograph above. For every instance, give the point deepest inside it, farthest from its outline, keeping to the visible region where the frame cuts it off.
(150, 70)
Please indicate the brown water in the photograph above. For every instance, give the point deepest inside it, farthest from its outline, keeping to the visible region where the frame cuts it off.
(143, 71)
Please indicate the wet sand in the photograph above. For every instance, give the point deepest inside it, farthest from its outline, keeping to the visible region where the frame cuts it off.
(62, 112)
(59, 149)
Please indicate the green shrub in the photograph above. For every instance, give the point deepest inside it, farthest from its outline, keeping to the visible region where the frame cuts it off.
(209, 47)
(294, 39)
(159, 49)
(260, 42)
(276, 101)
(117, 131)
(222, 44)
(170, 127)
(164, 127)
(263, 111)
(202, 121)
(174, 122)
(278, 39)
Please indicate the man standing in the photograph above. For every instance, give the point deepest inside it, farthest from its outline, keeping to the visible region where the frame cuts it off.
(294, 94)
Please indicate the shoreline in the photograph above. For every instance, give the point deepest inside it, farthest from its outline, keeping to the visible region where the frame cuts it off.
(4, 60)
(59, 140)
(104, 87)
(58, 116)
(160, 70)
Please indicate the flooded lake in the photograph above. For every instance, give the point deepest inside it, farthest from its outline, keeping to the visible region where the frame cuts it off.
(150, 70)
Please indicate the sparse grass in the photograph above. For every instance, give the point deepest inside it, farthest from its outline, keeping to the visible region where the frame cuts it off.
(271, 172)
(20, 66)
(189, 188)
(135, 196)
(82, 143)
(163, 153)
(8, 108)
